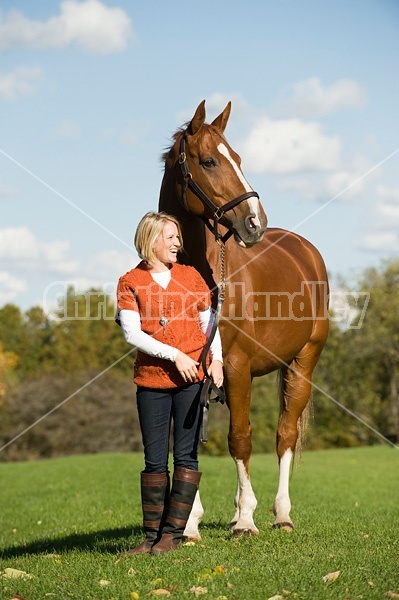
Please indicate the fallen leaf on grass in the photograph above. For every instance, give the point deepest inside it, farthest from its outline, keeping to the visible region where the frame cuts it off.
(160, 592)
(134, 596)
(15, 574)
(278, 597)
(331, 576)
(209, 573)
(17, 597)
(391, 595)
(199, 590)
(104, 582)
(219, 570)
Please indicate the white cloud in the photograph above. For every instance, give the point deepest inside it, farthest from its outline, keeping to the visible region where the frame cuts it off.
(108, 264)
(311, 98)
(384, 222)
(97, 28)
(386, 209)
(289, 146)
(340, 185)
(10, 287)
(390, 212)
(390, 194)
(19, 82)
(17, 243)
(111, 264)
(345, 185)
(20, 248)
(49, 268)
(381, 241)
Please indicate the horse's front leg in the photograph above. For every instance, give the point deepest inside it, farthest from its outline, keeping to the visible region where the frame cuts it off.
(240, 446)
(245, 501)
(191, 532)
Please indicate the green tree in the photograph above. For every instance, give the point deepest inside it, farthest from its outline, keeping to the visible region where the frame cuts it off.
(378, 348)
(86, 335)
(12, 328)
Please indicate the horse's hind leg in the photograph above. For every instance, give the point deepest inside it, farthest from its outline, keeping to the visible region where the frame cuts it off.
(296, 387)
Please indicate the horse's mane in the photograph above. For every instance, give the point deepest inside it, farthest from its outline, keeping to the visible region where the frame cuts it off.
(174, 138)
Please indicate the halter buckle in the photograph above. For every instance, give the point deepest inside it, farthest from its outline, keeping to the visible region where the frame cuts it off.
(182, 158)
(218, 214)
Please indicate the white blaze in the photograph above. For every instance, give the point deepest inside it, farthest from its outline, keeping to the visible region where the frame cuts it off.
(252, 202)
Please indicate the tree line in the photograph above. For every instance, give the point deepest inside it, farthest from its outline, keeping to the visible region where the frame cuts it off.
(66, 384)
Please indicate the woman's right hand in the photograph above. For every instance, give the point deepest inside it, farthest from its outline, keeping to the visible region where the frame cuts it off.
(187, 367)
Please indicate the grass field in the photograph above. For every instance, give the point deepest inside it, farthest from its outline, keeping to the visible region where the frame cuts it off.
(64, 521)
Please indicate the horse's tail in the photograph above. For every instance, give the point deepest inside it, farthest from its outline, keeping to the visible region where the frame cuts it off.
(303, 420)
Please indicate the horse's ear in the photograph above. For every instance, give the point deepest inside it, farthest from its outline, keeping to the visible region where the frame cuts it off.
(221, 121)
(198, 119)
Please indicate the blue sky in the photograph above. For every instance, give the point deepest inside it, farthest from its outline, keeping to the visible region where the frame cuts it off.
(91, 92)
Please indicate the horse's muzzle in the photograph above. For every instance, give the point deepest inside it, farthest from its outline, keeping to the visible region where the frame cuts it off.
(249, 232)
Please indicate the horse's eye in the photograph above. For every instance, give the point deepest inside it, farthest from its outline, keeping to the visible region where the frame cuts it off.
(208, 163)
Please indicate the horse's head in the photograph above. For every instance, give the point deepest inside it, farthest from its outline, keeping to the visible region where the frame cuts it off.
(209, 181)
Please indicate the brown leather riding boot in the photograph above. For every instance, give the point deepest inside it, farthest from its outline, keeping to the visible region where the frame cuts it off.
(154, 495)
(184, 488)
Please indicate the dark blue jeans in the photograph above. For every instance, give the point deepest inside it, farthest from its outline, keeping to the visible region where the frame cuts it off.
(157, 409)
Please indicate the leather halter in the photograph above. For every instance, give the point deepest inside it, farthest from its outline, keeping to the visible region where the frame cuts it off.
(218, 211)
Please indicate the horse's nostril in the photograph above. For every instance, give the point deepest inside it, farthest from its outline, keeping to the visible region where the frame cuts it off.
(250, 224)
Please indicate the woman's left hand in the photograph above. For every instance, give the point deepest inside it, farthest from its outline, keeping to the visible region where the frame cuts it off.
(215, 370)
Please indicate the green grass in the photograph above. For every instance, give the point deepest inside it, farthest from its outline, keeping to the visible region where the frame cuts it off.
(64, 521)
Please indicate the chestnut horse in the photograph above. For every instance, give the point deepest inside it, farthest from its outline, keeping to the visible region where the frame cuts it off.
(275, 309)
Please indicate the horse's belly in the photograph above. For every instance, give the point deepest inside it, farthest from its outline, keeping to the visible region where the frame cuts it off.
(276, 343)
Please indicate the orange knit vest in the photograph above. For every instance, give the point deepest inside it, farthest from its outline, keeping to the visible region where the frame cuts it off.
(186, 295)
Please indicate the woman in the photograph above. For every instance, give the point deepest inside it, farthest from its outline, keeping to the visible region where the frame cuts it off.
(164, 311)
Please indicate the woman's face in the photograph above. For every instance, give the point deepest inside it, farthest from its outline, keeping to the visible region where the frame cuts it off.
(167, 244)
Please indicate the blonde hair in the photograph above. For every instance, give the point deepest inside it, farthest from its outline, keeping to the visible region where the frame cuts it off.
(148, 231)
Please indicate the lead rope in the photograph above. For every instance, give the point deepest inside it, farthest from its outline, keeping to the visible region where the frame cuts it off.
(208, 386)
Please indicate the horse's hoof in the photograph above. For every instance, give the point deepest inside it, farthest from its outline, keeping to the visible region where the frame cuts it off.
(284, 526)
(188, 539)
(239, 533)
